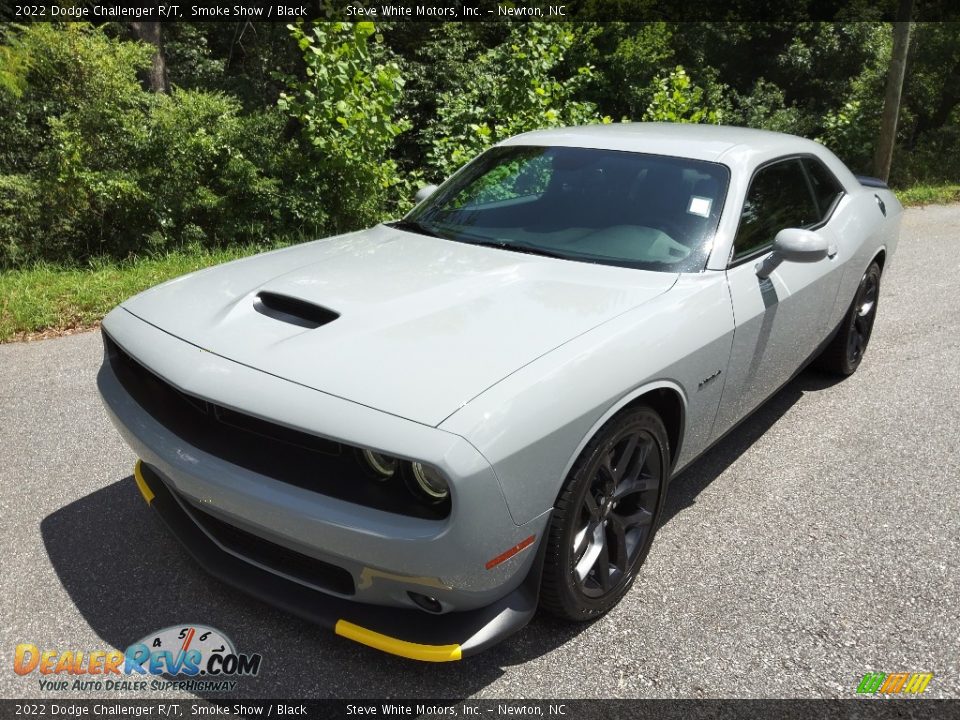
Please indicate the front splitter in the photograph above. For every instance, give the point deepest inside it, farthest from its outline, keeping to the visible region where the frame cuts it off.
(404, 632)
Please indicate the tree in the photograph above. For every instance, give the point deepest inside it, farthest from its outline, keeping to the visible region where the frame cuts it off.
(152, 33)
(347, 106)
(514, 87)
(14, 63)
(676, 99)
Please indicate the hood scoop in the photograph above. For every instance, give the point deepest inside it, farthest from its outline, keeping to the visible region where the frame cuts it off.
(293, 310)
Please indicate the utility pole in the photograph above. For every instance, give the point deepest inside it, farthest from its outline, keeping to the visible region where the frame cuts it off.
(891, 100)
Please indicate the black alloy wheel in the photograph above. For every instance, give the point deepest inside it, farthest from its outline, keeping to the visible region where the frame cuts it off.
(863, 316)
(605, 517)
(844, 353)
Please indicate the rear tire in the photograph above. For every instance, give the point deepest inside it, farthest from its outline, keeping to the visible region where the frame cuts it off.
(845, 352)
(606, 516)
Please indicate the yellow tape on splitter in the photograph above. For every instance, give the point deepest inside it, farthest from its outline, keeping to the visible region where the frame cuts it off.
(394, 646)
(142, 484)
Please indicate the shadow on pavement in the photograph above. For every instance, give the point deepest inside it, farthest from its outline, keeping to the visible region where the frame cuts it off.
(129, 577)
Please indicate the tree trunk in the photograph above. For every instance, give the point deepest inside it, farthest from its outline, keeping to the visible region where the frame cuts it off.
(891, 100)
(151, 32)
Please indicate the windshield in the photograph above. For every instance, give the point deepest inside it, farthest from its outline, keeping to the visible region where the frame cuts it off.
(603, 206)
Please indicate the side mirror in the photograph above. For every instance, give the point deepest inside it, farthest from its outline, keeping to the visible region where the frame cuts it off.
(795, 245)
(423, 193)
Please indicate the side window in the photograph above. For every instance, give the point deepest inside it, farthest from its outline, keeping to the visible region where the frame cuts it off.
(778, 198)
(826, 188)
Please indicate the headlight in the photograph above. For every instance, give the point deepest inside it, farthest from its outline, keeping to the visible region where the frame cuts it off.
(383, 465)
(430, 482)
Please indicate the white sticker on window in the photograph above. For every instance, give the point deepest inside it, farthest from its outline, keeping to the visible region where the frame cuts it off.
(700, 206)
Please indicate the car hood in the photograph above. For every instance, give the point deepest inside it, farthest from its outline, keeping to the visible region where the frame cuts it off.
(422, 324)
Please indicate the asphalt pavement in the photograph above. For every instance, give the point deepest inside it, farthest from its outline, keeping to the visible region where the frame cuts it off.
(819, 541)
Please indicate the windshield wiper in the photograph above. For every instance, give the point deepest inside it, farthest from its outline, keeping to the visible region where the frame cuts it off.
(518, 247)
(423, 229)
(416, 226)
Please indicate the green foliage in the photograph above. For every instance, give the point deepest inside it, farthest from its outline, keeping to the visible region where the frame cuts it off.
(63, 142)
(76, 74)
(191, 60)
(20, 213)
(298, 132)
(934, 159)
(626, 57)
(850, 129)
(677, 99)
(513, 88)
(248, 61)
(346, 106)
(764, 106)
(206, 170)
(14, 61)
(422, 48)
(94, 165)
(850, 132)
(929, 135)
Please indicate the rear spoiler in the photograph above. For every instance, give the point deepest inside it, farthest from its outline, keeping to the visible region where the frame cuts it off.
(873, 182)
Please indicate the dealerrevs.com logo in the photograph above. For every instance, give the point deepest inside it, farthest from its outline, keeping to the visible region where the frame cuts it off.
(201, 658)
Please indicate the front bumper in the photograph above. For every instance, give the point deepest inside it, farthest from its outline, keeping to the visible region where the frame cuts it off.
(383, 555)
(404, 632)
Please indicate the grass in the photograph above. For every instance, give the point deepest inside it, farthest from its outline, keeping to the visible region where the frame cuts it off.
(941, 194)
(48, 299)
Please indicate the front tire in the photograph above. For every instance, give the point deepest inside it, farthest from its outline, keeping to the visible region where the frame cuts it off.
(606, 516)
(844, 353)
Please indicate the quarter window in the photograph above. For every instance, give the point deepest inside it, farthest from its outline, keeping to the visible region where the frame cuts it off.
(779, 198)
(826, 189)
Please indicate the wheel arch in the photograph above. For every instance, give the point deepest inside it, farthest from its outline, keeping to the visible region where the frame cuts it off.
(666, 397)
(880, 257)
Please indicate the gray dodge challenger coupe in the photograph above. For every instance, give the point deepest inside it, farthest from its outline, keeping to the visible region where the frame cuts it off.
(419, 433)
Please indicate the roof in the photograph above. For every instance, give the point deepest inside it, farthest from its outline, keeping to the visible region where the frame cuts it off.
(701, 142)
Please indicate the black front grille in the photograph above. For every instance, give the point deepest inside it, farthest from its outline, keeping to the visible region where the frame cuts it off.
(278, 452)
(275, 557)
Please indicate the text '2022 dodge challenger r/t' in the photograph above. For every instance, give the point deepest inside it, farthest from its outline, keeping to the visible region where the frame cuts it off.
(419, 433)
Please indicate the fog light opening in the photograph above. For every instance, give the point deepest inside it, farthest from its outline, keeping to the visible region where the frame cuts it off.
(425, 602)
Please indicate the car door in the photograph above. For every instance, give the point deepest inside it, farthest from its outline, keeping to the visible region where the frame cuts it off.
(781, 319)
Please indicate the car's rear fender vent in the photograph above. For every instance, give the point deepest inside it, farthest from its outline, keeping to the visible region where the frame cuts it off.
(292, 310)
